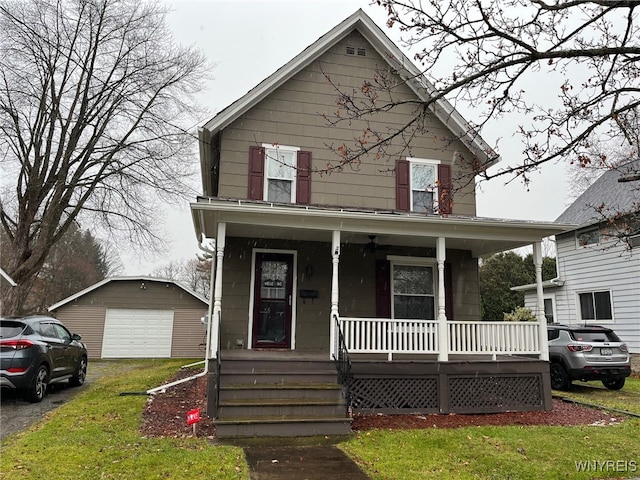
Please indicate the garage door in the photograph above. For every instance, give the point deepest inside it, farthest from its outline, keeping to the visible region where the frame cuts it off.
(137, 333)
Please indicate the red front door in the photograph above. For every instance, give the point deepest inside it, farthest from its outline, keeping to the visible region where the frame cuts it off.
(273, 291)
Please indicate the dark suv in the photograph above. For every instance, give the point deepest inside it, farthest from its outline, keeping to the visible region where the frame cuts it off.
(37, 351)
(587, 352)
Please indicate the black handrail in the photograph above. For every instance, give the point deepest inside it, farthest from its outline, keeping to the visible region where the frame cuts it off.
(343, 364)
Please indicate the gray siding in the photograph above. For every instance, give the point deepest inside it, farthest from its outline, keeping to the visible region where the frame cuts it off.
(599, 267)
(293, 116)
(356, 285)
(188, 339)
(86, 321)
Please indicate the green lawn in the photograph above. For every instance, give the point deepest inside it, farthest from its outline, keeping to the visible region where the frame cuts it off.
(513, 452)
(95, 435)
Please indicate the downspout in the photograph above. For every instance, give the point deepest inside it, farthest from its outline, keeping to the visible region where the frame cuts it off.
(162, 388)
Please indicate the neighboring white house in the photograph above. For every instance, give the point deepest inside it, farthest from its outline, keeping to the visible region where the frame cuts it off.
(598, 278)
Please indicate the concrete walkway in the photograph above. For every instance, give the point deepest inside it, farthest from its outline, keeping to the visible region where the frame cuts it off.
(313, 462)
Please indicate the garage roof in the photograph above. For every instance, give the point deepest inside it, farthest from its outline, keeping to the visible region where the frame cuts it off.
(118, 279)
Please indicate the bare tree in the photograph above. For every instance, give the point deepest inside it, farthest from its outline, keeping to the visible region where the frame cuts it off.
(566, 72)
(194, 273)
(95, 97)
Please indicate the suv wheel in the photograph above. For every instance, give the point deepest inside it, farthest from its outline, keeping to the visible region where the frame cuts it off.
(38, 386)
(81, 373)
(559, 377)
(613, 383)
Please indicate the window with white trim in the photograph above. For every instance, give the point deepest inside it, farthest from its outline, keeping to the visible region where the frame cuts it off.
(595, 306)
(413, 291)
(280, 173)
(424, 185)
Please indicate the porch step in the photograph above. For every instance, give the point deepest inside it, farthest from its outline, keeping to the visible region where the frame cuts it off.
(266, 392)
(279, 407)
(280, 377)
(280, 398)
(279, 426)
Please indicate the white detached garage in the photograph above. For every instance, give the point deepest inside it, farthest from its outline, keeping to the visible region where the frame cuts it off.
(136, 317)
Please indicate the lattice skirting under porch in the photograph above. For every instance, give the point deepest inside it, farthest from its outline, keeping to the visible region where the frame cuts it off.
(450, 388)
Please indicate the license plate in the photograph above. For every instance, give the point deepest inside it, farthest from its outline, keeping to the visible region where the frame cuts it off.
(606, 351)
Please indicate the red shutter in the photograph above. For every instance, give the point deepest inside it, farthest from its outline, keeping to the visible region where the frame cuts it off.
(445, 202)
(403, 187)
(448, 291)
(256, 172)
(303, 178)
(383, 288)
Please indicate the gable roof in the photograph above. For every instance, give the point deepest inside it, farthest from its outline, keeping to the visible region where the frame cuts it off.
(615, 196)
(361, 22)
(95, 286)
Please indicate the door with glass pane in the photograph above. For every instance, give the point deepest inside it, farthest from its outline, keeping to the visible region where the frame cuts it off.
(273, 299)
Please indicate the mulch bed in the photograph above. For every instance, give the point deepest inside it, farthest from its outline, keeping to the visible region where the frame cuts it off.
(165, 415)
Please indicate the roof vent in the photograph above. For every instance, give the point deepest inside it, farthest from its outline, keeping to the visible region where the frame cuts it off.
(359, 51)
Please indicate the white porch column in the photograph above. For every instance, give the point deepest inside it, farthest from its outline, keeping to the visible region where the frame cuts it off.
(443, 329)
(217, 290)
(335, 256)
(542, 320)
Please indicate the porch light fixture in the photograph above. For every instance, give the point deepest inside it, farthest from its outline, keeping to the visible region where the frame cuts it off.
(143, 286)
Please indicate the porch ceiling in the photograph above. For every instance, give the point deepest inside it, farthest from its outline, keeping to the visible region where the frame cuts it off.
(482, 236)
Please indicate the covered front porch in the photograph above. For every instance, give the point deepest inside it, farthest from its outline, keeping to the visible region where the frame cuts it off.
(439, 320)
(346, 294)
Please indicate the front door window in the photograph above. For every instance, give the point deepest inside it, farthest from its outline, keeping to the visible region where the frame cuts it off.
(273, 299)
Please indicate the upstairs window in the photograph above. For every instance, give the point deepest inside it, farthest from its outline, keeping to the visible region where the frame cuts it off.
(423, 186)
(588, 237)
(281, 163)
(279, 174)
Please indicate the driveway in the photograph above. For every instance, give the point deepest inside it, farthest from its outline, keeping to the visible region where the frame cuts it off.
(16, 414)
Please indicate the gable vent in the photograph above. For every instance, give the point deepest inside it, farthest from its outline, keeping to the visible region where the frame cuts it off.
(359, 51)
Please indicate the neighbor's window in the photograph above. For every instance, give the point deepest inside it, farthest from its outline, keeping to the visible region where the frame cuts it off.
(548, 309)
(413, 292)
(424, 186)
(280, 184)
(588, 237)
(595, 306)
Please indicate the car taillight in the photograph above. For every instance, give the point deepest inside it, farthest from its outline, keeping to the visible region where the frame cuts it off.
(16, 344)
(623, 348)
(579, 347)
(17, 370)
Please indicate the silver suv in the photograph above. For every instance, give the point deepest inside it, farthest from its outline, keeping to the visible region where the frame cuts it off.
(587, 352)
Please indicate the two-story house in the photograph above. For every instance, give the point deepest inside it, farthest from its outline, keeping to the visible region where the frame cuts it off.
(598, 264)
(374, 266)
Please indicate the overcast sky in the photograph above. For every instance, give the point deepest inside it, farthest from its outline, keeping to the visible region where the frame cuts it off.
(248, 40)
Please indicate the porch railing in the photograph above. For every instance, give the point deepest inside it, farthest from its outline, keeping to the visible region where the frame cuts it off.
(506, 338)
(383, 335)
(401, 336)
